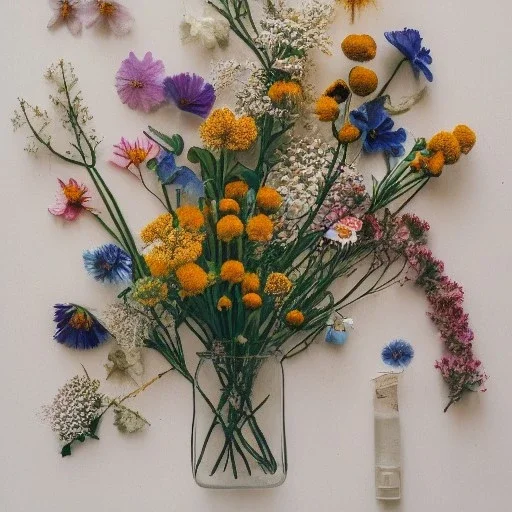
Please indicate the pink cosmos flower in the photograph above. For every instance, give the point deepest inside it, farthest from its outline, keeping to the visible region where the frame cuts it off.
(70, 201)
(68, 12)
(115, 15)
(139, 83)
(135, 153)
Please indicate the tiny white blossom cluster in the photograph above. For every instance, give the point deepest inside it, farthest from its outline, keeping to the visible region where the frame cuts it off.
(127, 324)
(74, 408)
(224, 73)
(208, 30)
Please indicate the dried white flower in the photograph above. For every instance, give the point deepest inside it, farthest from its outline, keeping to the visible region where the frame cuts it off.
(224, 73)
(127, 323)
(128, 421)
(209, 31)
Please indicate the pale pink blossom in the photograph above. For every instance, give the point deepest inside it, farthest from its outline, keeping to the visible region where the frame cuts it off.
(70, 202)
(68, 12)
(116, 16)
(135, 153)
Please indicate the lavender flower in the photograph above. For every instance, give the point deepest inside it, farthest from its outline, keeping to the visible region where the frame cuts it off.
(68, 12)
(115, 15)
(398, 353)
(139, 82)
(190, 93)
(108, 263)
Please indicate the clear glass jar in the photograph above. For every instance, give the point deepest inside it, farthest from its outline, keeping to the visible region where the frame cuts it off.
(238, 432)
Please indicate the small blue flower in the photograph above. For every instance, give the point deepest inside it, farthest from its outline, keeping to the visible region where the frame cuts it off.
(77, 327)
(108, 263)
(397, 353)
(408, 41)
(376, 128)
(168, 172)
(335, 337)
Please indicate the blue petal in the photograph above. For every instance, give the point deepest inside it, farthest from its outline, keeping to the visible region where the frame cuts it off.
(189, 182)
(166, 167)
(335, 337)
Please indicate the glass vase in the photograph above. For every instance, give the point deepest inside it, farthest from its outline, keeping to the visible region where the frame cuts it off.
(238, 432)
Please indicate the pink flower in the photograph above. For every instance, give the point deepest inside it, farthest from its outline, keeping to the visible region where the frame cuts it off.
(375, 228)
(71, 200)
(115, 15)
(353, 223)
(135, 153)
(68, 12)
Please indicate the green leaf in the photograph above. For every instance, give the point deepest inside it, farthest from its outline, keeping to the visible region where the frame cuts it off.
(66, 450)
(248, 175)
(152, 164)
(205, 159)
(175, 142)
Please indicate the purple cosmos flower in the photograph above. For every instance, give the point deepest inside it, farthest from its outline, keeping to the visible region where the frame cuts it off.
(397, 353)
(139, 82)
(68, 12)
(116, 16)
(376, 128)
(408, 41)
(190, 93)
(77, 327)
(108, 263)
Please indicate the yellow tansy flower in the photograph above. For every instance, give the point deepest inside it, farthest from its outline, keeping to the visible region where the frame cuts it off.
(363, 81)
(348, 133)
(295, 318)
(359, 47)
(192, 278)
(157, 228)
(448, 144)
(277, 284)
(250, 283)
(465, 136)
(282, 91)
(224, 303)
(338, 90)
(260, 228)
(229, 206)
(190, 217)
(236, 190)
(252, 301)
(268, 199)
(229, 227)
(149, 291)
(327, 109)
(232, 271)
(244, 135)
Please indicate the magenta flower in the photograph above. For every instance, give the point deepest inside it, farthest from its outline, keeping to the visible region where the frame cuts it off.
(128, 153)
(70, 201)
(139, 83)
(116, 16)
(68, 12)
(190, 93)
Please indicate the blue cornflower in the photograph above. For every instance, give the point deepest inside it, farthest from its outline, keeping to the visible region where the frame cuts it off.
(108, 263)
(376, 127)
(190, 92)
(168, 172)
(408, 41)
(397, 353)
(77, 327)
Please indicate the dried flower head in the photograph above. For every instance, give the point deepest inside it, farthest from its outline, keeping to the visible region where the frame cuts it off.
(252, 301)
(359, 47)
(277, 284)
(448, 144)
(232, 271)
(363, 81)
(229, 227)
(149, 291)
(192, 279)
(128, 421)
(465, 136)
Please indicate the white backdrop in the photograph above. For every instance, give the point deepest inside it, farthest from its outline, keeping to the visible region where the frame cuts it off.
(462, 459)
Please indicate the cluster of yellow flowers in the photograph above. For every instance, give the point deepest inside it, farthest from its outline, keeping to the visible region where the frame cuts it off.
(285, 92)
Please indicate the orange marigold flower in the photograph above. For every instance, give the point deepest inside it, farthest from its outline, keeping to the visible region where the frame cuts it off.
(295, 318)
(348, 133)
(224, 303)
(190, 217)
(363, 81)
(229, 206)
(268, 199)
(250, 283)
(448, 144)
(282, 91)
(192, 278)
(359, 47)
(236, 190)
(277, 284)
(338, 90)
(327, 109)
(465, 136)
(252, 301)
(229, 227)
(260, 228)
(232, 271)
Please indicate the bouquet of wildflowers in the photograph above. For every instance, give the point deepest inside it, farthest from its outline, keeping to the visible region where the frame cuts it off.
(271, 211)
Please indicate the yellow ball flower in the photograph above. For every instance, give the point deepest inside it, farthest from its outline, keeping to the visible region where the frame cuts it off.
(268, 199)
(294, 318)
(447, 143)
(224, 303)
(338, 90)
(192, 278)
(465, 136)
(348, 133)
(232, 271)
(236, 190)
(277, 284)
(244, 134)
(190, 217)
(252, 301)
(260, 228)
(359, 47)
(250, 283)
(229, 206)
(229, 227)
(435, 163)
(149, 291)
(327, 109)
(282, 91)
(363, 81)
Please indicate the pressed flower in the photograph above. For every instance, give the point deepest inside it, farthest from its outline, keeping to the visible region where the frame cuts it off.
(229, 206)
(359, 47)
(190, 217)
(192, 278)
(224, 303)
(149, 291)
(465, 136)
(341, 233)
(157, 228)
(128, 421)
(376, 128)
(116, 16)
(252, 301)
(398, 353)
(108, 263)
(268, 199)
(250, 283)
(236, 190)
(363, 81)
(209, 31)
(244, 135)
(135, 153)
(295, 318)
(408, 41)
(70, 202)
(283, 91)
(435, 163)
(277, 284)
(260, 228)
(327, 109)
(77, 327)
(139, 83)
(190, 93)
(229, 227)
(448, 144)
(68, 12)
(180, 176)
(355, 5)
(232, 271)
(348, 133)
(338, 90)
